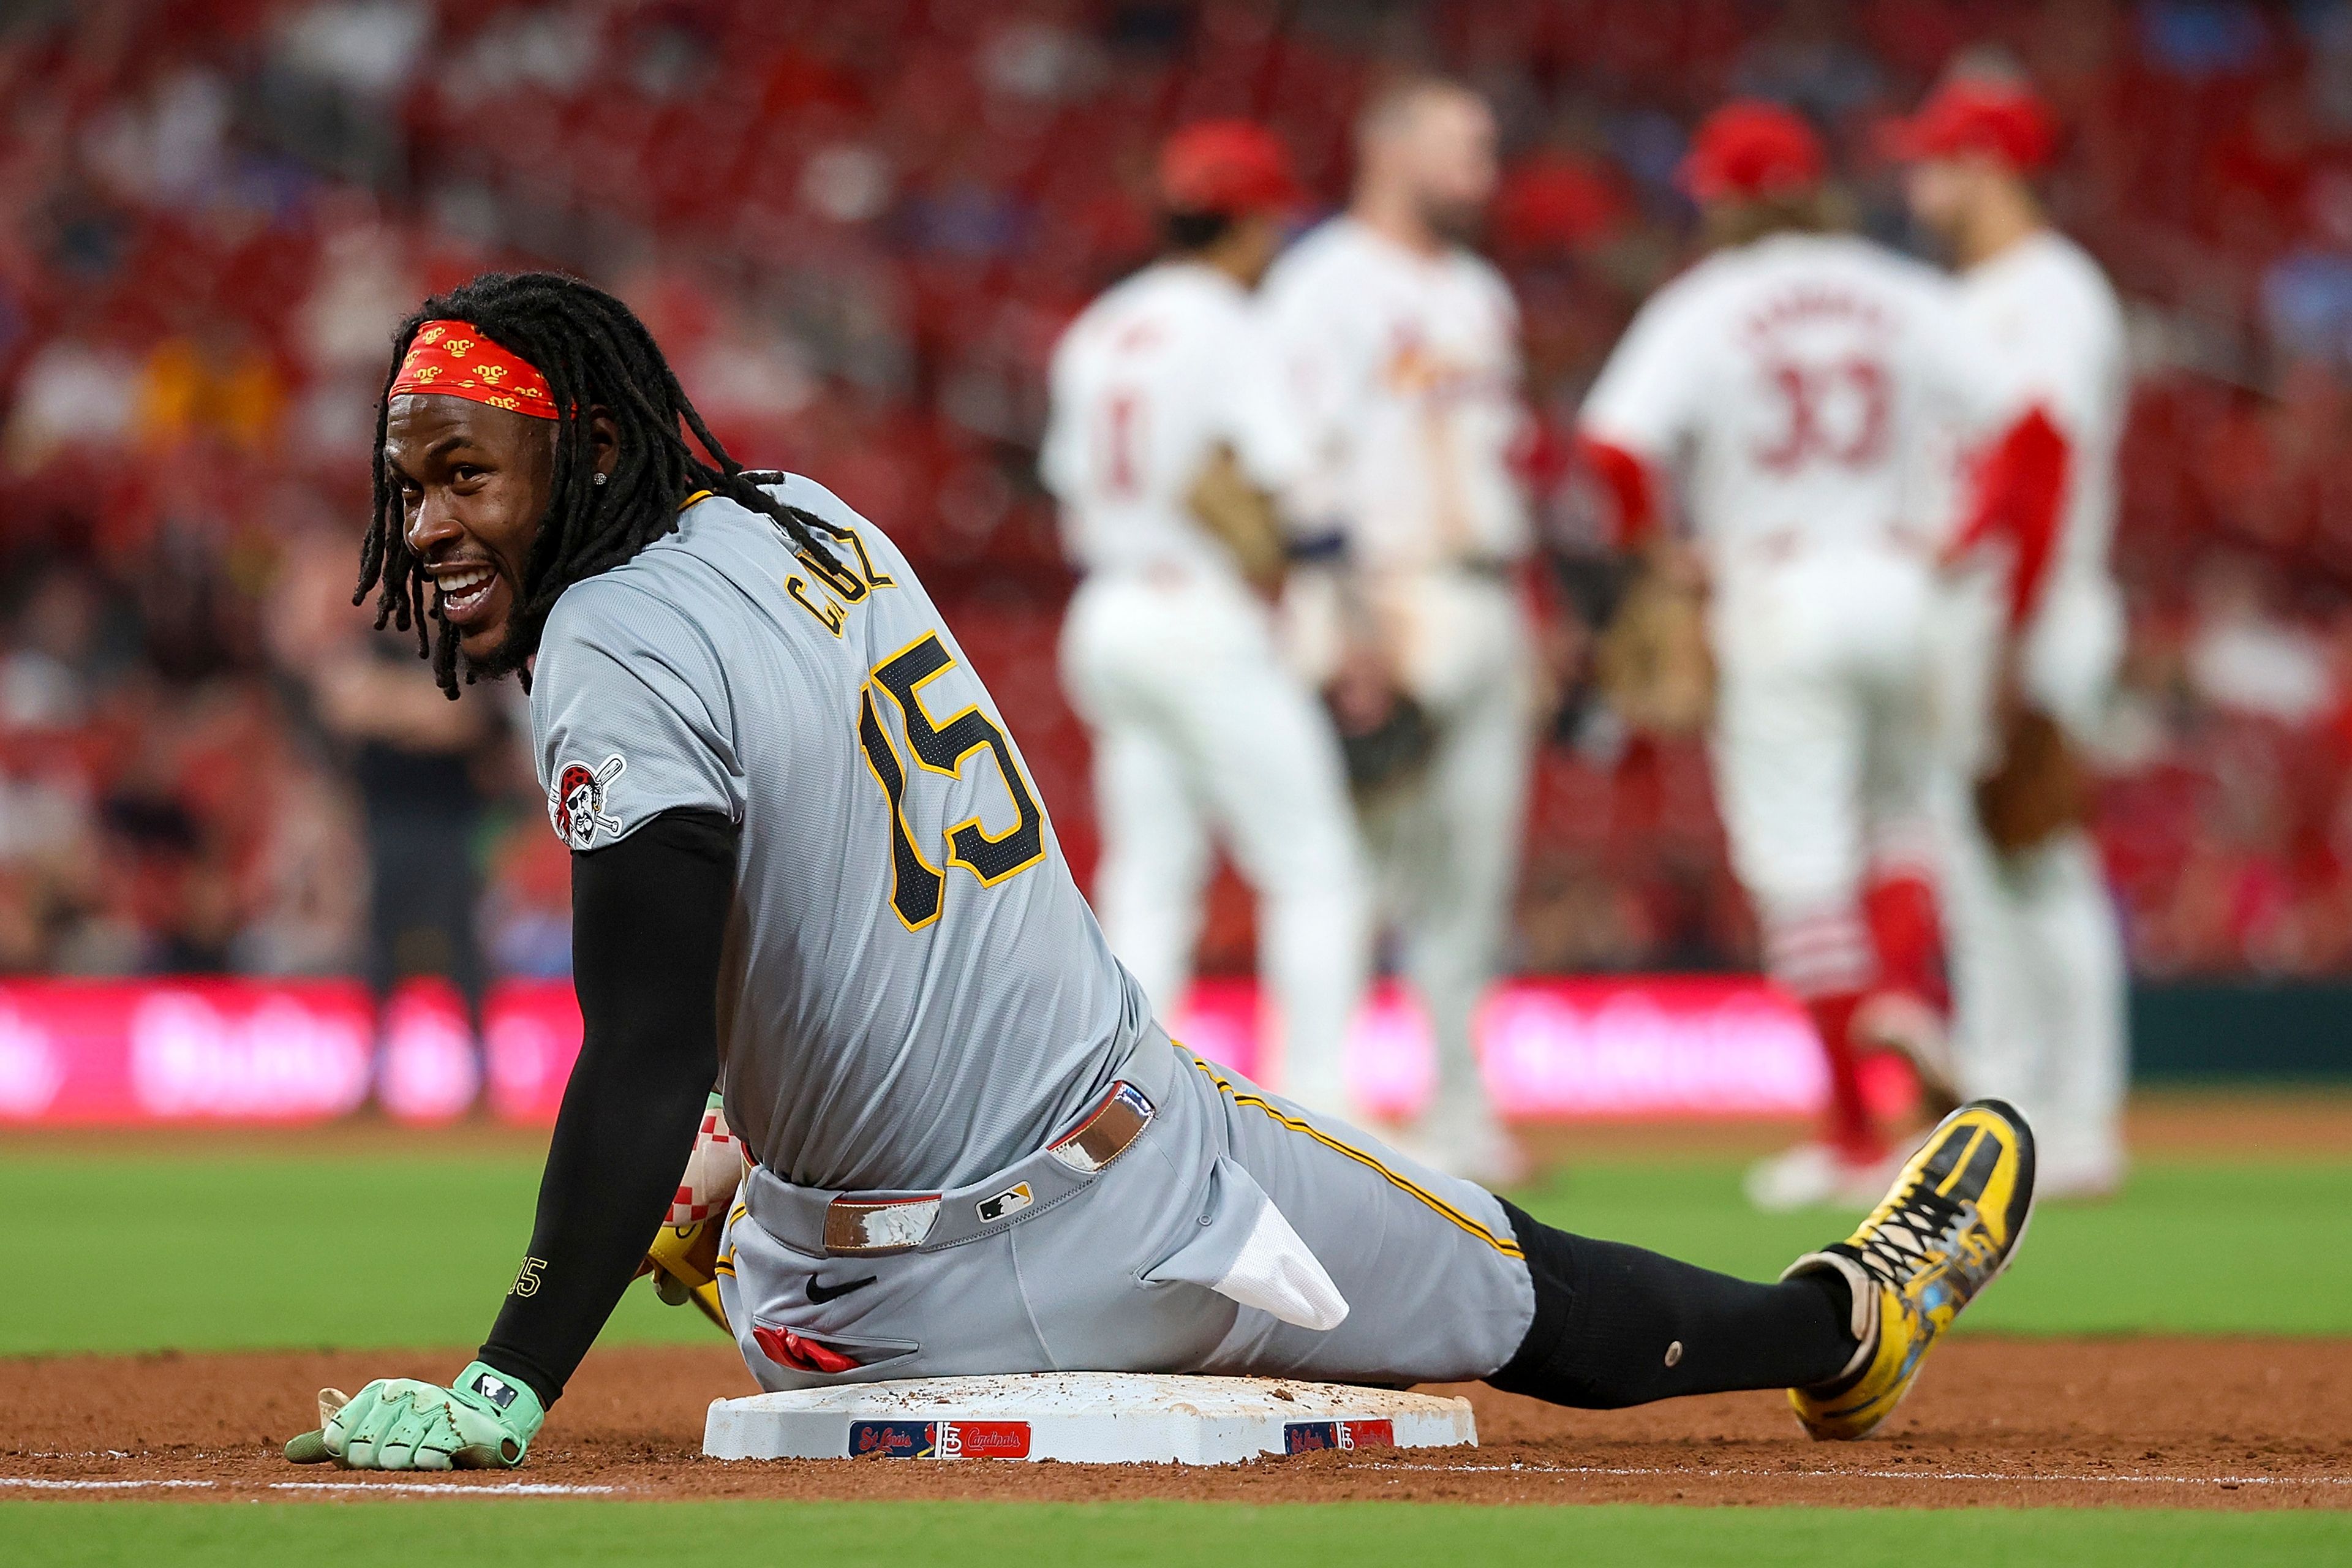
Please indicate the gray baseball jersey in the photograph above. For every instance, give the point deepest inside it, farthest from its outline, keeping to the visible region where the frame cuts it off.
(914, 998)
(913, 993)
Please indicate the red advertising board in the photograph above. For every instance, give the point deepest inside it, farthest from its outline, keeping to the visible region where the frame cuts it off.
(251, 1050)
(184, 1051)
(1561, 1049)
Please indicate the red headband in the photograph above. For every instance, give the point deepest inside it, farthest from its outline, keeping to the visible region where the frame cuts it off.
(456, 359)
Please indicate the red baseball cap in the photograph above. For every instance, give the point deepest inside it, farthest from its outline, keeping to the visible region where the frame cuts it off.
(1749, 149)
(1976, 114)
(1229, 166)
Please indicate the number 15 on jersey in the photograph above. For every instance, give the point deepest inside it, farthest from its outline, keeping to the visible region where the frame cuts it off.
(918, 886)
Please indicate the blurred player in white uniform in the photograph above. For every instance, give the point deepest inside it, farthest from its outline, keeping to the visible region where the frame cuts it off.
(1795, 386)
(1403, 347)
(1171, 438)
(2038, 964)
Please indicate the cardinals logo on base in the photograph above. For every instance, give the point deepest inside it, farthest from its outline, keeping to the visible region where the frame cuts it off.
(575, 804)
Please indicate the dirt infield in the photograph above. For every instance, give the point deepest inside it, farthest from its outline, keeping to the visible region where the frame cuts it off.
(2202, 1422)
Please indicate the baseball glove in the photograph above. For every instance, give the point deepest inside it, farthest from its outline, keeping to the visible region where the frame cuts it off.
(1225, 502)
(1387, 751)
(1653, 664)
(2038, 790)
(1384, 735)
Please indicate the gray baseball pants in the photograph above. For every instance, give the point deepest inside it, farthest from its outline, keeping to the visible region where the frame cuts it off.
(1237, 1233)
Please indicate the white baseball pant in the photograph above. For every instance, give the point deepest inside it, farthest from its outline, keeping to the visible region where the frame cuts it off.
(1823, 747)
(1201, 729)
(1445, 842)
(2038, 965)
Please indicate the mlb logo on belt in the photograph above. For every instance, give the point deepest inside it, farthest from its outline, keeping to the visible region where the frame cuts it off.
(1013, 1200)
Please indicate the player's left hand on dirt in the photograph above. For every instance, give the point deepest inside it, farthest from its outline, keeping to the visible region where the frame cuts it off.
(485, 1421)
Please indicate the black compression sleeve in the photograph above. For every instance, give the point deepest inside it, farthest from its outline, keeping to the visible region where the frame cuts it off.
(648, 917)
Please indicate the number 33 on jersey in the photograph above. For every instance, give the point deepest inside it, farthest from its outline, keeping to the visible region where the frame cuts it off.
(1796, 387)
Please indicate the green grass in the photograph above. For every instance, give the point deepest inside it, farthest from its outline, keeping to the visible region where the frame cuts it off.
(208, 1252)
(1019, 1535)
(2192, 1247)
(274, 1251)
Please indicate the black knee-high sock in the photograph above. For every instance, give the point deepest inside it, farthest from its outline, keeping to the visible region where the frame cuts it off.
(1615, 1326)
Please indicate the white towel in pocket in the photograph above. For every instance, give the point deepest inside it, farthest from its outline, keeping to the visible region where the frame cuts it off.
(1247, 1252)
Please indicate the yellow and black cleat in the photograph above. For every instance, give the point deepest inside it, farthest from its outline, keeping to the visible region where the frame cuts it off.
(1948, 1227)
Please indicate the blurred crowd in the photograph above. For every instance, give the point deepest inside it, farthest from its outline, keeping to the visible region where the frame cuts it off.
(857, 228)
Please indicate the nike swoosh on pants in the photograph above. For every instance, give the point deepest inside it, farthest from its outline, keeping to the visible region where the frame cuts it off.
(819, 1292)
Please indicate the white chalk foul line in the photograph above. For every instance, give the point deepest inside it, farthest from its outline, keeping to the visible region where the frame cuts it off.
(438, 1489)
(550, 1488)
(1722, 1471)
(45, 1483)
(497, 1489)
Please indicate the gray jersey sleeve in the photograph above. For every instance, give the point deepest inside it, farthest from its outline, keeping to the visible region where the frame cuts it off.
(633, 714)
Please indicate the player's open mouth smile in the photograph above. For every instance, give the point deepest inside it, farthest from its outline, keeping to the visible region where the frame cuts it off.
(466, 592)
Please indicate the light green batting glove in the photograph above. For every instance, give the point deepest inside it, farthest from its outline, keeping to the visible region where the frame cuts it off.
(485, 1421)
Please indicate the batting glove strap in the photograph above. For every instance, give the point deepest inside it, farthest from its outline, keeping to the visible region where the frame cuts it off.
(506, 1402)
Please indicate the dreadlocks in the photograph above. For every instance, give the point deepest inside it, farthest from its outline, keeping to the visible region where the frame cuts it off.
(594, 352)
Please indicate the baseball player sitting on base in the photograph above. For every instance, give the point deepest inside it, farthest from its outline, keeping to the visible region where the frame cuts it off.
(1169, 441)
(809, 863)
(1798, 383)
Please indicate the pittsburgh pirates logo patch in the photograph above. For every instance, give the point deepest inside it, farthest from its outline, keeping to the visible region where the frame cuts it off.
(575, 802)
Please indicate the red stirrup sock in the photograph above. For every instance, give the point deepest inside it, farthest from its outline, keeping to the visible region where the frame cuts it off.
(1848, 1127)
(1905, 929)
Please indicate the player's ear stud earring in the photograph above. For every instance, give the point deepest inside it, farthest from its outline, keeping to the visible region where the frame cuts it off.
(598, 478)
